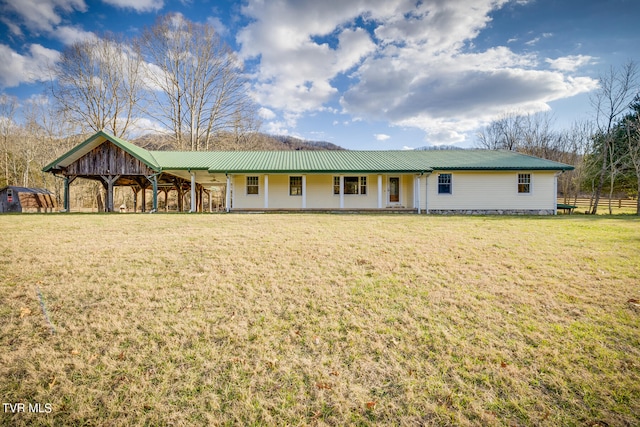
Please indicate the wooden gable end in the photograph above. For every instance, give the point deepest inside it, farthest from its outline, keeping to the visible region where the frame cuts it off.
(108, 159)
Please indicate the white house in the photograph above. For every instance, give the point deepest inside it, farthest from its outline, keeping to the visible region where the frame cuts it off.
(447, 181)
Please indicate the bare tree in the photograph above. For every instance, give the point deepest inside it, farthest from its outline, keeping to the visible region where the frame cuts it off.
(195, 80)
(8, 107)
(632, 140)
(503, 133)
(99, 84)
(617, 89)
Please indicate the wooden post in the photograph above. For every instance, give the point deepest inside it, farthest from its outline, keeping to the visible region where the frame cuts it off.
(66, 194)
(109, 181)
(154, 182)
(135, 198)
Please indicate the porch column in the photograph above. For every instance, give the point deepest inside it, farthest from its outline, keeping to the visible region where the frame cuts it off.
(209, 199)
(228, 195)
(193, 192)
(418, 192)
(266, 191)
(379, 191)
(426, 193)
(304, 191)
(341, 191)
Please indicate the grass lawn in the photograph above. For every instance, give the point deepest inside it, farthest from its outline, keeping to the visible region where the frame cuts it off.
(320, 319)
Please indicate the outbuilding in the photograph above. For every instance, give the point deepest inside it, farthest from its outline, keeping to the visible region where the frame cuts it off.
(23, 199)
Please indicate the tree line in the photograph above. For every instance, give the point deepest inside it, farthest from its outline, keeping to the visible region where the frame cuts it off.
(604, 150)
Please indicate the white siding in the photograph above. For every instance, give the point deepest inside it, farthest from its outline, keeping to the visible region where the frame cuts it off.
(492, 190)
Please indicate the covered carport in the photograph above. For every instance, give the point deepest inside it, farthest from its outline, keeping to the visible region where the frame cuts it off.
(114, 162)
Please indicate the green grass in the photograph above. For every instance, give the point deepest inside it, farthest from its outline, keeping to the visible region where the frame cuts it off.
(320, 319)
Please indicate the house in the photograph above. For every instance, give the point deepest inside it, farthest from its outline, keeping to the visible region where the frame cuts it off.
(435, 182)
(22, 199)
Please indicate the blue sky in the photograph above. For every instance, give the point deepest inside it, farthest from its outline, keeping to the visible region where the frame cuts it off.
(366, 74)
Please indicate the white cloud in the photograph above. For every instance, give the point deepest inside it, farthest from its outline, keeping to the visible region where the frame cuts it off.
(217, 24)
(407, 148)
(266, 113)
(569, 63)
(137, 5)
(42, 15)
(31, 67)
(69, 35)
(381, 136)
(414, 65)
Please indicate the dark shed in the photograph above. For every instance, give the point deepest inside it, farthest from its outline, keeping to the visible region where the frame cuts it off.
(22, 199)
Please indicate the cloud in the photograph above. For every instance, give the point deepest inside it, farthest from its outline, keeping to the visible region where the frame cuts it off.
(69, 35)
(31, 67)
(41, 15)
(407, 63)
(137, 5)
(266, 114)
(217, 24)
(381, 136)
(570, 63)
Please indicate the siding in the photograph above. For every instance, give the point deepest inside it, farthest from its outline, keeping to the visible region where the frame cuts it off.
(319, 193)
(492, 190)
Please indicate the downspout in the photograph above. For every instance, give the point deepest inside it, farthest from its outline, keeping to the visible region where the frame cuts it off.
(555, 191)
(417, 190)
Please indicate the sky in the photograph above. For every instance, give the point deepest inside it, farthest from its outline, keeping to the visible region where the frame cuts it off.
(365, 74)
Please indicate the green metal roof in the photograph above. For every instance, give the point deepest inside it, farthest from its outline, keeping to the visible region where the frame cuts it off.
(317, 161)
(351, 161)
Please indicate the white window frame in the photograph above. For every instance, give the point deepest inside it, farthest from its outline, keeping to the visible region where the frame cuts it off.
(301, 186)
(450, 184)
(528, 193)
(256, 185)
(362, 183)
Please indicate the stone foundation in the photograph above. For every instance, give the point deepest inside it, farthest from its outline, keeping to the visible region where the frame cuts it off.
(491, 211)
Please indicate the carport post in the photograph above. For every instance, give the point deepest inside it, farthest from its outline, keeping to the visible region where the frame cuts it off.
(193, 192)
(66, 194)
(154, 183)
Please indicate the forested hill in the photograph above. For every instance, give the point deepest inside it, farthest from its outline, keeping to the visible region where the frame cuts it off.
(253, 142)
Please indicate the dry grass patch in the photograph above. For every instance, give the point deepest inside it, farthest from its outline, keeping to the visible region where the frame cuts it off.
(320, 319)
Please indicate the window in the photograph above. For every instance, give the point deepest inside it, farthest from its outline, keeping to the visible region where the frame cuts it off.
(444, 183)
(524, 183)
(252, 185)
(295, 186)
(352, 185)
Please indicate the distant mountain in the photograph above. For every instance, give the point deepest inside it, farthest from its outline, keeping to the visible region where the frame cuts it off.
(255, 141)
(439, 148)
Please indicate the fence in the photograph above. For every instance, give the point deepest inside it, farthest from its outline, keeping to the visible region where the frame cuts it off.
(618, 205)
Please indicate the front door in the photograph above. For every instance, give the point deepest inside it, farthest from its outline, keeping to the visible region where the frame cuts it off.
(394, 189)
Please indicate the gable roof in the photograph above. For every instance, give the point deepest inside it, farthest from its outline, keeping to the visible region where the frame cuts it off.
(342, 161)
(94, 141)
